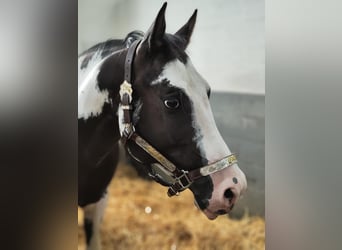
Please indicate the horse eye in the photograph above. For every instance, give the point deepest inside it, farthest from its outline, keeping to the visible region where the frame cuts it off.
(172, 103)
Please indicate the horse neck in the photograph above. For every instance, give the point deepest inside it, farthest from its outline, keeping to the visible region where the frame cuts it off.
(111, 74)
(110, 78)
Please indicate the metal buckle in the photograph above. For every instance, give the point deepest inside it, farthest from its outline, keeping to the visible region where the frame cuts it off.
(128, 130)
(126, 88)
(183, 180)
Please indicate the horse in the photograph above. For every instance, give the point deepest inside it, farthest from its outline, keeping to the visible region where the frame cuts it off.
(144, 93)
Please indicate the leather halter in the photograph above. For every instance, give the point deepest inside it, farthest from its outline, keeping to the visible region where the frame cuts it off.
(164, 170)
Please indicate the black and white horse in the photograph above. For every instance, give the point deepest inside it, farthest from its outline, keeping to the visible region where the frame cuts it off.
(145, 90)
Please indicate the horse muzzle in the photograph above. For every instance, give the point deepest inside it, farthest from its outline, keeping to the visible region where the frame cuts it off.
(229, 185)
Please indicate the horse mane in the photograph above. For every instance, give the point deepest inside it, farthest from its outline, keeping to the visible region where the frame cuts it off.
(112, 45)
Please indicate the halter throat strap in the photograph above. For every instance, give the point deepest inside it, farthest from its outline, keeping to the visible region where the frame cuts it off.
(178, 179)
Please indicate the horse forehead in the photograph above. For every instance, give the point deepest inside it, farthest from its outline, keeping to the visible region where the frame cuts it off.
(183, 76)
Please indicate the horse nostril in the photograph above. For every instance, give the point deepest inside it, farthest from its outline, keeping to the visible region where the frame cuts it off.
(229, 194)
(221, 212)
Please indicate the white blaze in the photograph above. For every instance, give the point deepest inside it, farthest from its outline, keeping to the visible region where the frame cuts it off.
(90, 98)
(207, 136)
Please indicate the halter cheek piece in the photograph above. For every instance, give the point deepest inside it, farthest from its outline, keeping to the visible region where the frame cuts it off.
(163, 170)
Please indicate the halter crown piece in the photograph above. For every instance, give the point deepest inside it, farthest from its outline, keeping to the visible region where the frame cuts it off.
(163, 171)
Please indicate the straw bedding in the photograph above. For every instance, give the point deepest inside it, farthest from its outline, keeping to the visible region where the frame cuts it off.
(139, 215)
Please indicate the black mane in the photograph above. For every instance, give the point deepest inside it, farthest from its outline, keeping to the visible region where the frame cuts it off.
(112, 45)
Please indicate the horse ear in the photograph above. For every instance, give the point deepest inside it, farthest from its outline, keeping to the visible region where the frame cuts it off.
(186, 31)
(156, 32)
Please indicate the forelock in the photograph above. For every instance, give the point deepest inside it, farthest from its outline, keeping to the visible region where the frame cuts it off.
(175, 46)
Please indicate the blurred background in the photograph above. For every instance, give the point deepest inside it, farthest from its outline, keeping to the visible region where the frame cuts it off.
(227, 48)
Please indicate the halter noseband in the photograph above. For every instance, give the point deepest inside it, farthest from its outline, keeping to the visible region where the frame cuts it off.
(164, 170)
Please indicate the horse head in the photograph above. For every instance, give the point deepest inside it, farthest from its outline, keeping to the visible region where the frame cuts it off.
(172, 112)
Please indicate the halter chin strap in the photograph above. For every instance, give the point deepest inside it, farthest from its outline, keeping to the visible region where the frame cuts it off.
(164, 171)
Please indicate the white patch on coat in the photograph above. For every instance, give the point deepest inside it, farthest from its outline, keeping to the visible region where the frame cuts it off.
(94, 212)
(120, 115)
(90, 98)
(136, 112)
(208, 139)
